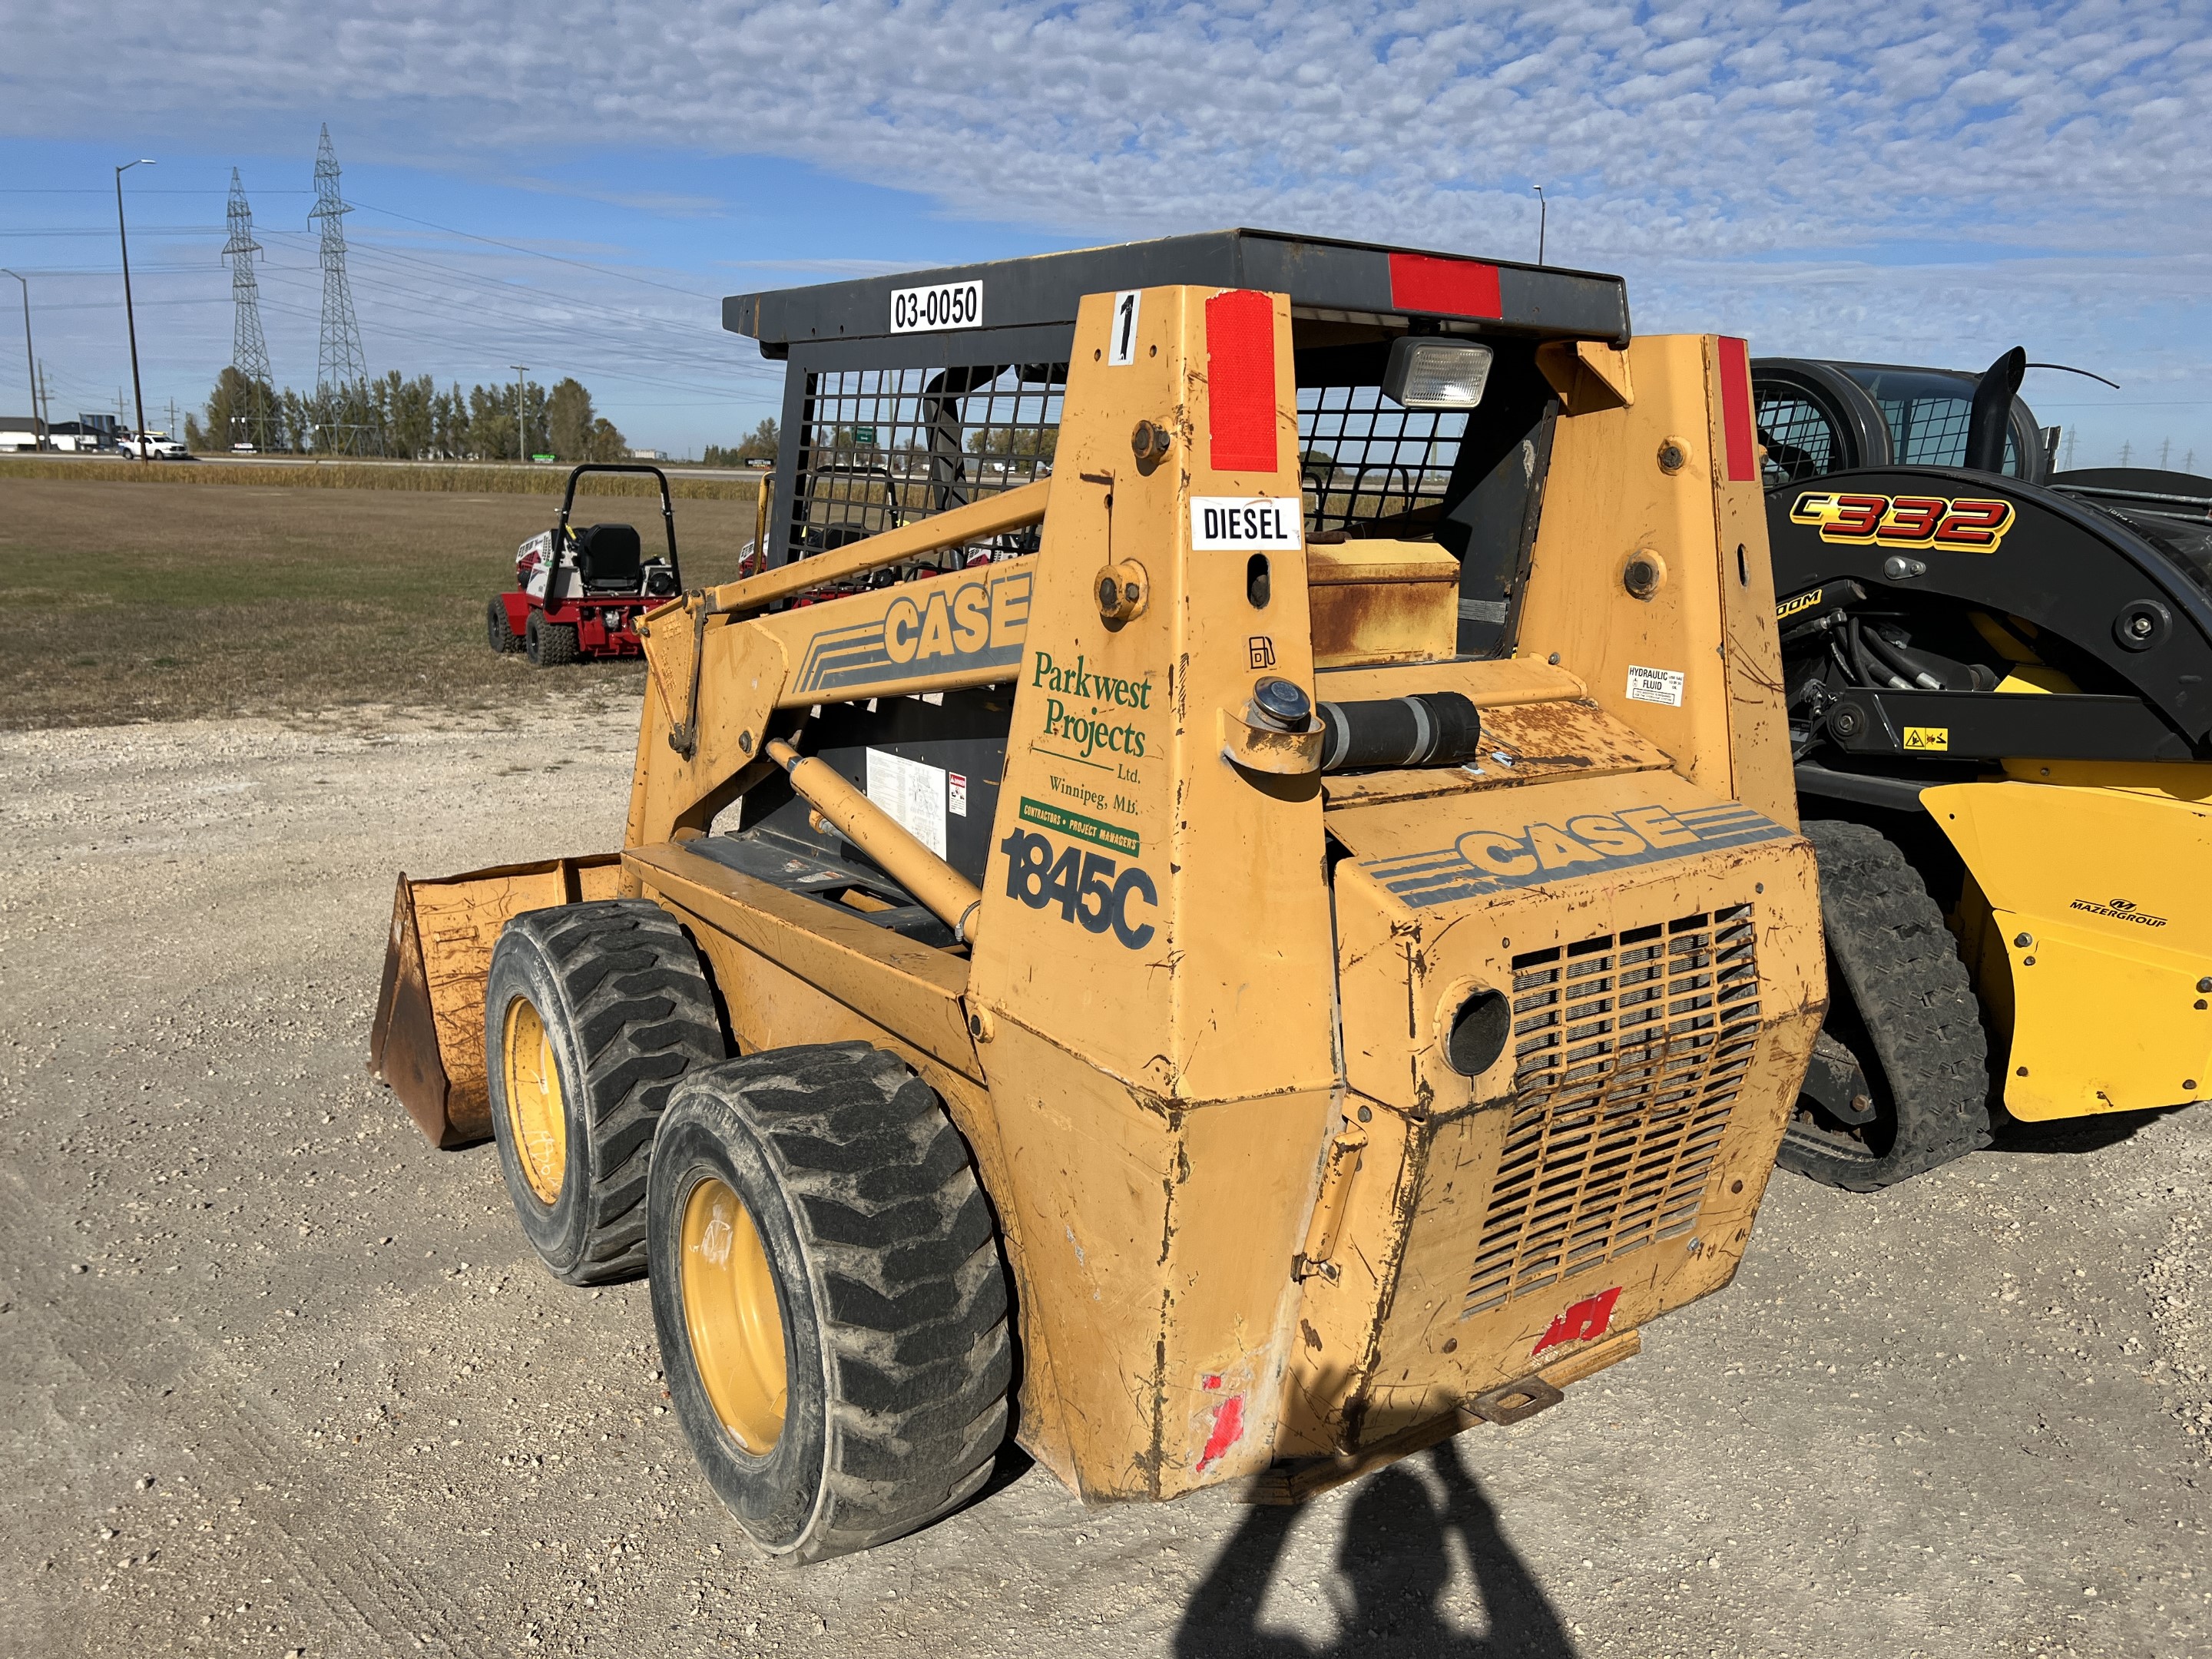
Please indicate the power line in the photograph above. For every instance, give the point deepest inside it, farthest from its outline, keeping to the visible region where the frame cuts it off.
(249, 350)
(339, 361)
(537, 254)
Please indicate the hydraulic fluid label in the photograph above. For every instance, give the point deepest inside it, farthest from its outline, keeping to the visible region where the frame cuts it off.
(1485, 861)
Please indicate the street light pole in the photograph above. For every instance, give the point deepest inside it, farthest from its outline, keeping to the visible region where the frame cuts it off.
(1543, 218)
(129, 315)
(30, 368)
(521, 446)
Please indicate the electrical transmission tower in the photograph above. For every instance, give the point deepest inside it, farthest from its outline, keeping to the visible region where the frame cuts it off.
(340, 367)
(249, 351)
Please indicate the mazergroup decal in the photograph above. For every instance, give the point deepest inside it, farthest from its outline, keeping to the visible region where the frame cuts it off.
(1090, 888)
(1968, 524)
(977, 621)
(2118, 909)
(1588, 844)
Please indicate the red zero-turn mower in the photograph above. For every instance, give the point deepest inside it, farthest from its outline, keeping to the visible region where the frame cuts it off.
(580, 593)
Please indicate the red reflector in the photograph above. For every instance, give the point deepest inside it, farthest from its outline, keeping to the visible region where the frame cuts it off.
(1586, 1319)
(1735, 411)
(1451, 287)
(1239, 373)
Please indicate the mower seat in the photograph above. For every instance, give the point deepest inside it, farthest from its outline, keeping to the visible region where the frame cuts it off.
(607, 558)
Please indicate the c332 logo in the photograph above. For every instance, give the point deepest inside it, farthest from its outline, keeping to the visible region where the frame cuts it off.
(1965, 526)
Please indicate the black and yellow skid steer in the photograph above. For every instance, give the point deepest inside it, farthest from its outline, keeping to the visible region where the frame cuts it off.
(2000, 694)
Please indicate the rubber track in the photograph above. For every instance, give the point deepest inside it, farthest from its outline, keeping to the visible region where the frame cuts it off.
(909, 1281)
(1888, 942)
(644, 1016)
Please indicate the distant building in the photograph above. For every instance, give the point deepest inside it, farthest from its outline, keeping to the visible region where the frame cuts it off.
(87, 432)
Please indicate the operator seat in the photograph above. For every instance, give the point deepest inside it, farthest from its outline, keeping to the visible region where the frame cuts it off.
(608, 558)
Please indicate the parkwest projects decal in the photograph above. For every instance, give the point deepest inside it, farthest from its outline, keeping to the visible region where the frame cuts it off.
(1090, 714)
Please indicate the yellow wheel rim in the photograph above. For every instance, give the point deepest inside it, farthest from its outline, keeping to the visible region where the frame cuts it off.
(536, 1112)
(731, 1312)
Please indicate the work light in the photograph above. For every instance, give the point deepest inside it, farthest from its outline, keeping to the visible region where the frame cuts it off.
(1428, 372)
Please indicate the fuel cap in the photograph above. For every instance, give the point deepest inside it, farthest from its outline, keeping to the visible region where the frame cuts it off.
(1281, 704)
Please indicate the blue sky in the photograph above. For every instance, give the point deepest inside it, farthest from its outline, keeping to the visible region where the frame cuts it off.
(573, 185)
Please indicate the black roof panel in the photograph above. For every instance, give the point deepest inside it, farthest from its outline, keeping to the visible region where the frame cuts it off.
(1318, 273)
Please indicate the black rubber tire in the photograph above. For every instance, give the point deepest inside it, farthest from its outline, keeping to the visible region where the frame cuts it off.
(550, 644)
(498, 633)
(628, 1012)
(1900, 1001)
(891, 1287)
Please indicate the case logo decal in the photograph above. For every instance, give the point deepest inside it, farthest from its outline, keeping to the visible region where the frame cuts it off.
(943, 625)
(1968, 524)
(1485, 861)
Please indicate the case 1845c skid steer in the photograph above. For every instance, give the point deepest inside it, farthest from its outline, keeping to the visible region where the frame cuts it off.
(2001, 709)
(1267, 890)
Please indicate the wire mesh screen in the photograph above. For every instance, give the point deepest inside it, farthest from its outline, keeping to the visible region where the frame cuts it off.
(1799, 434)
(1362, 459)
(881, 447)
(1932, 431)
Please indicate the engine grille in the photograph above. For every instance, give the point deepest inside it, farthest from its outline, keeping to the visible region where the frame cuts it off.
(1631, 1049)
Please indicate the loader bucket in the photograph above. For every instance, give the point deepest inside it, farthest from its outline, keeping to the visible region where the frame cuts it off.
(427, 1041)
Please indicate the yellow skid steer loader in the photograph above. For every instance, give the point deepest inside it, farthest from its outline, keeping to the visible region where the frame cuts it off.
(1242, 852)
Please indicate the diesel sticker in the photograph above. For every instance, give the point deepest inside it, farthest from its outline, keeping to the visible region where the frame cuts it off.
(1966, 525)
(977, 621)
(1484, 862)
(1263, 524)
(1090, 888)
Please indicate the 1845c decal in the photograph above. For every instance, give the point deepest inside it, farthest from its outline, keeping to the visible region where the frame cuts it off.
(1968, 524)
(1090, 888)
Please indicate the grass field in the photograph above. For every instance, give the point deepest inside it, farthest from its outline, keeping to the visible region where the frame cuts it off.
(134, 602)
(461, 477)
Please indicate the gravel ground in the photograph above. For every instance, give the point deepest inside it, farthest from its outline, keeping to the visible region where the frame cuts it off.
(275, 1377)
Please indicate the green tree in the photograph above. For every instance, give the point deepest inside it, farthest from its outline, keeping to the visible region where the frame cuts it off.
(569, 420)
(607, 443)
(239, 410)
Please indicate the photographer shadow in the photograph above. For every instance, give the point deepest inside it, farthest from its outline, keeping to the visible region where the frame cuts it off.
(1395, 1558)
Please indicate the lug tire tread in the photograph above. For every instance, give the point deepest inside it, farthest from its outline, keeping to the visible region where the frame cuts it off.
(908, 1284)
(644, 1017)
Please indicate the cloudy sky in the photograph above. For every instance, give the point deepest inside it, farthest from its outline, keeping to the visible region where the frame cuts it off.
(572, 185)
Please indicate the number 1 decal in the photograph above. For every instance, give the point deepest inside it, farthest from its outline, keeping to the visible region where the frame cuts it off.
(1123, 350)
